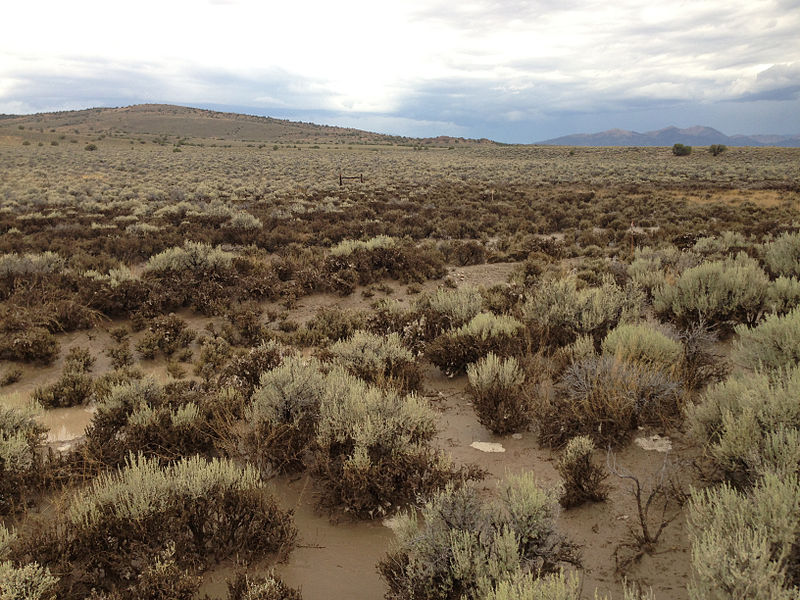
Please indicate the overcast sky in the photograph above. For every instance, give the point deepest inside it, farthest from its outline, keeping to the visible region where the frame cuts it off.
(514, 71)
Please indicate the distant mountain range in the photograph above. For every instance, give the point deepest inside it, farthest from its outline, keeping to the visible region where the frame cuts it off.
(692, 136)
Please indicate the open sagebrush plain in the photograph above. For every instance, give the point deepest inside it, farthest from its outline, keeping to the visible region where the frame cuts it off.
(472, 371)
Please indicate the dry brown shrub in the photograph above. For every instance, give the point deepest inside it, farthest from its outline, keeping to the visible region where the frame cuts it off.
(606, 399)
(454, 350)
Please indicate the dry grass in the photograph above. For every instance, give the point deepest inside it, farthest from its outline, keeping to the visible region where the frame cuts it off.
(763, 198)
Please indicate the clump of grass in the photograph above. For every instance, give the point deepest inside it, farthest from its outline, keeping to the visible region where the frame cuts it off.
(378, 359)
(460, 546)
(583, 479)
(207, 509)
(21, 441)
(606, 399)
(280, 423)
(165, 334)
(643, 344)
(74, 387)
(499, 399)
(558, 311)
(774, 344)
(484, 333)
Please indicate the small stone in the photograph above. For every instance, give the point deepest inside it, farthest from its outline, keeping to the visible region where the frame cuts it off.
(487, 447)
(516, 436)
(654, 442)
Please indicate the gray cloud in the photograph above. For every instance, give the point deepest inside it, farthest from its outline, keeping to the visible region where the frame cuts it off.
(778, 83)
(47, 91)
(729, 65)
(469, 108)
(97, 82)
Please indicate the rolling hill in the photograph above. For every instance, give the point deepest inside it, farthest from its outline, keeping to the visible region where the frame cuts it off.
(187, 122)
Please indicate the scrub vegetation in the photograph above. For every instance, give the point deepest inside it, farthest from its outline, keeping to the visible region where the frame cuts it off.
(237, 327)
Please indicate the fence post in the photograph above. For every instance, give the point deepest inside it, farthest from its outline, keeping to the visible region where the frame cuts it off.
(342, 178)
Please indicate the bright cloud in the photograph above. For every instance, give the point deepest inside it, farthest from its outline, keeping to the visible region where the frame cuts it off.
(481, 67)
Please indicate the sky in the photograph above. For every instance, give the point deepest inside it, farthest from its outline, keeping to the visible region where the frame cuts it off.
(512, 71)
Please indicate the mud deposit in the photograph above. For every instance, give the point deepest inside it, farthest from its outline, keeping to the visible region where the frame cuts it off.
(334, 558)
(600, 528)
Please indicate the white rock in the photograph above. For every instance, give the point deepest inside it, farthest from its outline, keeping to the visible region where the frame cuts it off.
(487, 447)
(654, 442)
